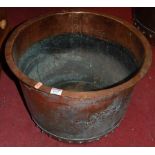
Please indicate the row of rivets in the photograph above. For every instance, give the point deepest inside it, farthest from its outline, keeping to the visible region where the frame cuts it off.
(80, 142)
(150, 35)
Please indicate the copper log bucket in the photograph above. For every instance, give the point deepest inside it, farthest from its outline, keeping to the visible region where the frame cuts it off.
(144, 20)
(77, 71)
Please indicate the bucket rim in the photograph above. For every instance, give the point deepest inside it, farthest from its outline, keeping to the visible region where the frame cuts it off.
(82, 94)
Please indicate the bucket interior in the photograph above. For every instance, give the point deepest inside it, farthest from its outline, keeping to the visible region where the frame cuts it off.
(78, 62)
(76, 59)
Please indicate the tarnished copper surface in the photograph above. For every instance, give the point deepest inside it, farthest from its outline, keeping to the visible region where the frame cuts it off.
(75, 116)
(144, 20)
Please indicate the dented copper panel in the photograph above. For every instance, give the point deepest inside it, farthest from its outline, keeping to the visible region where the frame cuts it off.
(90, 102)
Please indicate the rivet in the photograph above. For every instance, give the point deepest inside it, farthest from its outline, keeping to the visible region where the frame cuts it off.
(69, 141)
(42, 131)
(117, 125)
(150, 35)
(98, 139)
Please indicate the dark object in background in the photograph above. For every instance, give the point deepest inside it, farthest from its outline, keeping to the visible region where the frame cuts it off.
(3, 24)
(144, 20)
(3, 29)
(75, 115)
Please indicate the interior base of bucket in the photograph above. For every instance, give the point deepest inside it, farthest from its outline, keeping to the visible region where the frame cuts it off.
(78, 62)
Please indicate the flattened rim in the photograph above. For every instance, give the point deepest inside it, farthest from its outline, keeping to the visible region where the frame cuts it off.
(85, 94)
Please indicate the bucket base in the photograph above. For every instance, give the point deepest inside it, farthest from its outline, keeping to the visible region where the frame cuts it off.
(78, 141)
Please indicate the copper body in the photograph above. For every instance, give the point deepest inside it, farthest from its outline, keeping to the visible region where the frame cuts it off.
(144, 20)
(77, 116)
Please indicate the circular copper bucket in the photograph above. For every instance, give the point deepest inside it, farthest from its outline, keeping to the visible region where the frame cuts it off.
(144, 20)
(70, 69)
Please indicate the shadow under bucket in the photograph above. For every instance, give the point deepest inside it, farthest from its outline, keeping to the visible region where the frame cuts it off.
(77, 71)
